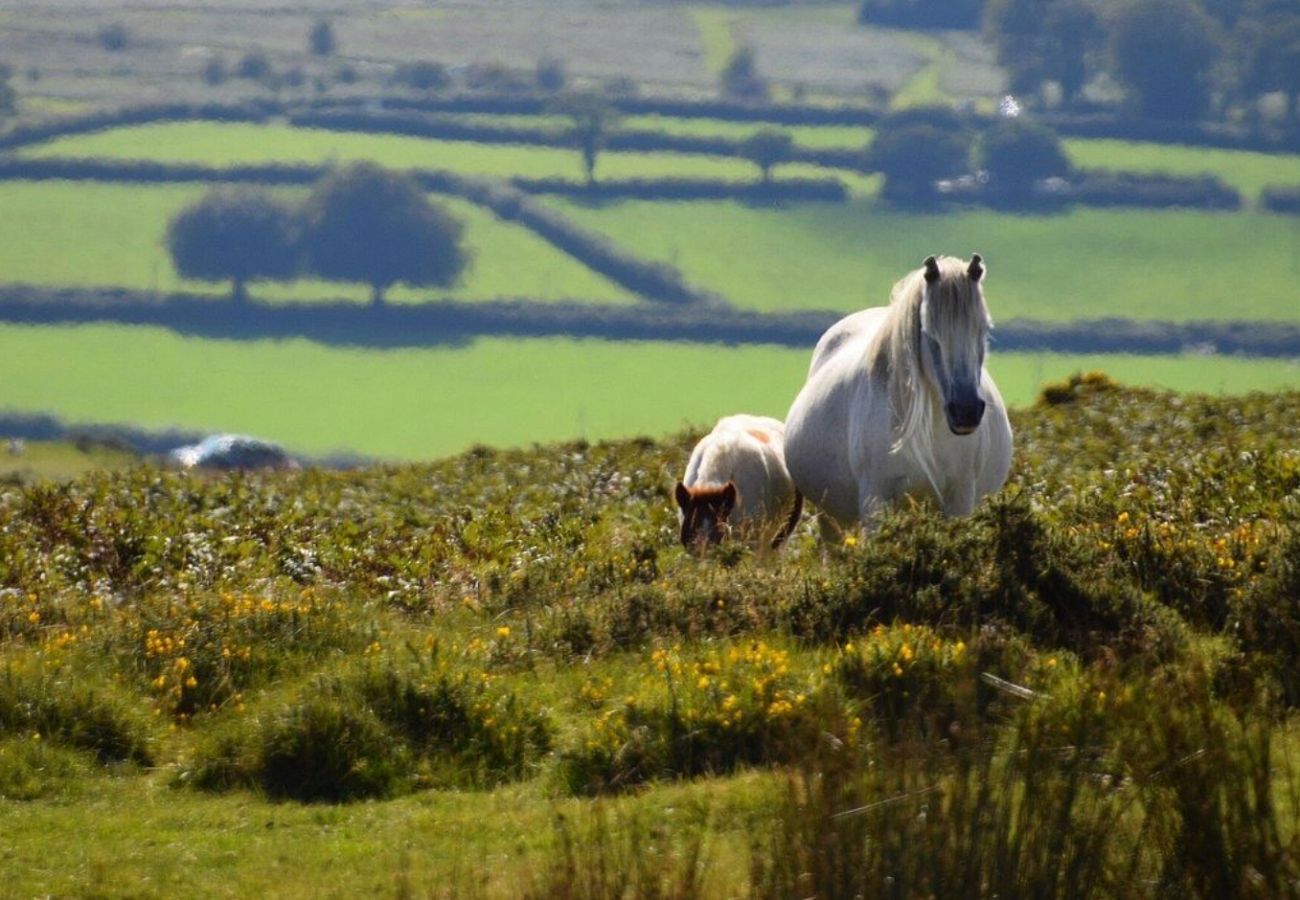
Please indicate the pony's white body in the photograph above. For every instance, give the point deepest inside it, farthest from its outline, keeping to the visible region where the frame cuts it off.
(862, 433)
(749, 451)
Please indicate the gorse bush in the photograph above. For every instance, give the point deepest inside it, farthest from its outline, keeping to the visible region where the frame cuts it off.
(905, 674)
(1087, 790)
(692, 717)
(203, 652)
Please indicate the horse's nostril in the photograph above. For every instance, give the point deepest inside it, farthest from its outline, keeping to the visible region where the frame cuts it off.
(979, 409)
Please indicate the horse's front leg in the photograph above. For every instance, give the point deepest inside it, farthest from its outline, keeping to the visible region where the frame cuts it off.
(871, 502)
(959, 497)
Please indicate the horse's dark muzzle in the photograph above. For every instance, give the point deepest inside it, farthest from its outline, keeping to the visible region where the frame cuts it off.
(964, 416)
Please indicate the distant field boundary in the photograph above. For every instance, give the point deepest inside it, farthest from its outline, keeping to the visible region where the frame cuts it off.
(723, 110)
(396, 114)
(441, 322)
(440, 127)
(420, 118)
(44, 427)
(144, 441)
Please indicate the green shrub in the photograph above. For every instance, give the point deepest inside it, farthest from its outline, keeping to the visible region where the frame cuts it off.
(323, 750)
(378, 730)
(1265, 619)
(63, 702)
(469, 734)
(31, 769)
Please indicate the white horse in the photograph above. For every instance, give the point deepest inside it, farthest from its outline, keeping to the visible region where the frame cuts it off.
(736, 480)
(898, 402)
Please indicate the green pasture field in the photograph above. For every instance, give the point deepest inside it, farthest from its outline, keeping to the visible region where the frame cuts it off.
(846, 137)
(91, 234)
(1245, 170)
(140, 837)
(428, 402)
(1084, 263)
(229, 144)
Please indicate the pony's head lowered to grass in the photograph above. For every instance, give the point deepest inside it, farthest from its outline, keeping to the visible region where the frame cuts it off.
(704, 513)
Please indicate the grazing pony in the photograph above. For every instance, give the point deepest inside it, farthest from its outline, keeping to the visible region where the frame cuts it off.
(736, 481)
(898, 402)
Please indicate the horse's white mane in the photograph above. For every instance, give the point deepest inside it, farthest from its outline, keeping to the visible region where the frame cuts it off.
(897, 345)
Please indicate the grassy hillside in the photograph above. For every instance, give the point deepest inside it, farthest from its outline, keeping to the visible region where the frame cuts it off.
(470, 644)
(1085, 263)
(111, 235)
(423, 403)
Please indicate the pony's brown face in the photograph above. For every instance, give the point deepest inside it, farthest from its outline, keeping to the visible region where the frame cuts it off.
(954, 334)
(704, 513)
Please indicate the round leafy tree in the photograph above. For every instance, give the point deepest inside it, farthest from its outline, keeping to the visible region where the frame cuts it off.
(766, 148)
(592, 118)
(320, 40)
(1163, 53)
(915, 148)
(365, 223)
(741, 79)
(1017, 153)
(234, 234)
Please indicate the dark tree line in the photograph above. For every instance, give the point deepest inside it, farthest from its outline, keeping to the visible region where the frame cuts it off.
(1173, 59)
(362, 223)
(916, 148)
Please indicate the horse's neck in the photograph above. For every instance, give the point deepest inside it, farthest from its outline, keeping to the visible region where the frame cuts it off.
(898, 352)
(914, 402)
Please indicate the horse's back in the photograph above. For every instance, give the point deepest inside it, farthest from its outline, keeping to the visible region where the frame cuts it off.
(818, 447)
(859, 325)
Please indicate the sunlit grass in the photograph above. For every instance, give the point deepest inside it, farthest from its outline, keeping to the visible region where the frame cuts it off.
(1079, 264)
(422, 403)
(1246, 170)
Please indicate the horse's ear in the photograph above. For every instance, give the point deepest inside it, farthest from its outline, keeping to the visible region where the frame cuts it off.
(729, 496)
(976, 268)
(931, 269)
(683, 496)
